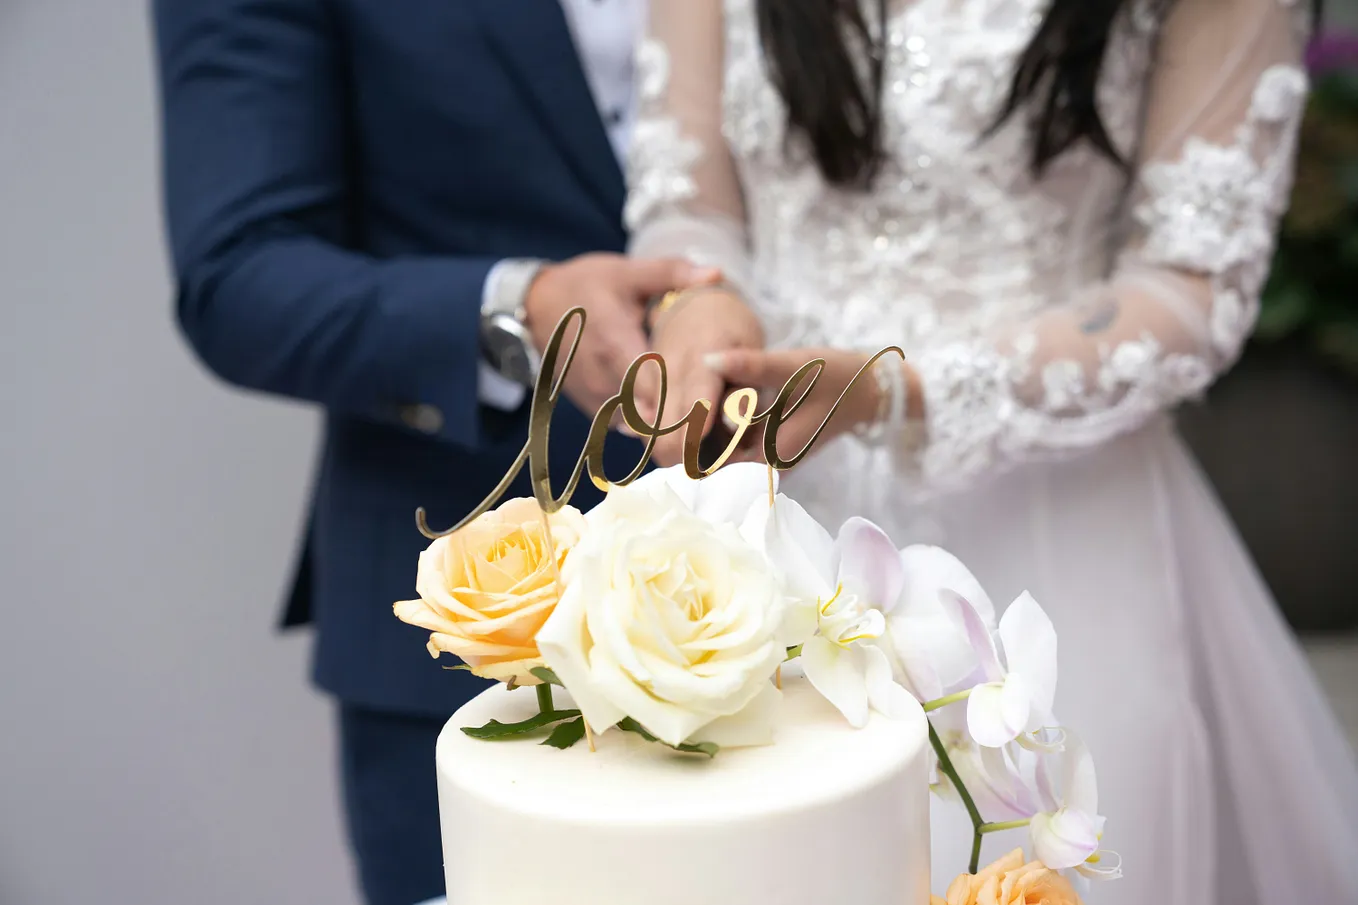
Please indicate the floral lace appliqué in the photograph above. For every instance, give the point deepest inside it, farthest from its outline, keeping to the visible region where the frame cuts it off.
(661, 156)
(1211, 211)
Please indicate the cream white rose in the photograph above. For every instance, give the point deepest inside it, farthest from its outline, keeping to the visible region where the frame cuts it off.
(670, 615)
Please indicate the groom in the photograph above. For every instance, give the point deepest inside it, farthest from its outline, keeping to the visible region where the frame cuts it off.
(361, 197)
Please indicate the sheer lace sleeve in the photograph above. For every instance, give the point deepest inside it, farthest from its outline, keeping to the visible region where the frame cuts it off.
(1213, 175)
(684, 194)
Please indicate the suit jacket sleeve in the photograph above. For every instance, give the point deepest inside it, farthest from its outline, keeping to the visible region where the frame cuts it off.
(260, 203)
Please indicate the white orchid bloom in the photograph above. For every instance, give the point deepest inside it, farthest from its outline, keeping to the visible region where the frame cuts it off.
(928, 639)
(998, 779)
(1067, 830)
(1014, 698)
(840, 591)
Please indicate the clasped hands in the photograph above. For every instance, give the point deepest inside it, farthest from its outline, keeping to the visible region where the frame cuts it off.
(711, 341)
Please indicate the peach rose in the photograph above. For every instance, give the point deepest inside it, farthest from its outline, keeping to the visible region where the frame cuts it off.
(1009, 881)
(486, 590)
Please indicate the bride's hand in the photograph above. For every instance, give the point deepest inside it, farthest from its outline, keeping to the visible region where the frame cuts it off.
(709, 320)
(768, 371)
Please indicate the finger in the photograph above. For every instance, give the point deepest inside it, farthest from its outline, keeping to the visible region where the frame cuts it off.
(698, 383)
(628, 344)
(647, 391)
(757, 367)
(651, 276)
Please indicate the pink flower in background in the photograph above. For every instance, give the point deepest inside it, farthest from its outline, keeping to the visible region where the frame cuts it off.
(1332, 51)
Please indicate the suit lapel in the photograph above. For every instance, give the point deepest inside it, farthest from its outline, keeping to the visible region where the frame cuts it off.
(533, 38)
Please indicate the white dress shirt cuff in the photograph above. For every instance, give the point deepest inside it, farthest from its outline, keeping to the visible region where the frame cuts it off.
(493, 388)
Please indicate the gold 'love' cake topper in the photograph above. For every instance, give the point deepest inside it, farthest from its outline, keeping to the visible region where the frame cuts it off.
(739, 408)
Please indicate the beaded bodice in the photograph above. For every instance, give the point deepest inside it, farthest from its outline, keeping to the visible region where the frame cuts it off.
(956, 234)
(1042, 314)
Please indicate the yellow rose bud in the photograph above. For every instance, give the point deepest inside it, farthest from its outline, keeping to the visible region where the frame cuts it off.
(486, 589)
(1009, 881)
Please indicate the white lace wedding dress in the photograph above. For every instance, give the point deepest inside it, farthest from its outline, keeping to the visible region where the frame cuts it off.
(1054, 323)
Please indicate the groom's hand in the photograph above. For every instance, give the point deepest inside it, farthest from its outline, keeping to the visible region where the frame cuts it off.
(709, 320)
(613, 291)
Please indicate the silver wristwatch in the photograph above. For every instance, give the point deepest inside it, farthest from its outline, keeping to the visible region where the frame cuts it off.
(505, 341)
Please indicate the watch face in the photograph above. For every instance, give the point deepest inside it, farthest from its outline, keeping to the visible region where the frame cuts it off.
(509, 350)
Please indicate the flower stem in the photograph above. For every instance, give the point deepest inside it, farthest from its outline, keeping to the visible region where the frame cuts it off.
(945, 764)
(939, 703)
(545, 698)
(1001, 827)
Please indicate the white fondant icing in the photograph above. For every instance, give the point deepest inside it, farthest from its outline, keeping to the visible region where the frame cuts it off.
(827, 814)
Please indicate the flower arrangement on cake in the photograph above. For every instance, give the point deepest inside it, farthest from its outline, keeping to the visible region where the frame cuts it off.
(671, 610)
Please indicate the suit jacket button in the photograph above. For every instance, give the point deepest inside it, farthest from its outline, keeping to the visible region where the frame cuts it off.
(424, 418)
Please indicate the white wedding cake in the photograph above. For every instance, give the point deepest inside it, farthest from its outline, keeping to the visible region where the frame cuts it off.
(709, 698)
(827, 814)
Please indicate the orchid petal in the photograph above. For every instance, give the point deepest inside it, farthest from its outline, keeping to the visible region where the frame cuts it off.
(993, 781)
(801, 551)
(885, 694)
(929, 569)
(800, 619)
(838, 674)
(930, 639)
(1006, 783)
(951, 721)
(869, 563)
(1079, 784)
(1043, 786)
(997, 712)
(1102, 865)
(1044, 740)
(1064, 839)
(1029, 641)
(932, 651)
(977, 634)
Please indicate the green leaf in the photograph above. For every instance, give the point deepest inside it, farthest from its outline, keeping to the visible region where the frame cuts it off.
(709, 748)
(566, 734)
(1285, 309)
(462, 666)
(546, 675)
(496, 730)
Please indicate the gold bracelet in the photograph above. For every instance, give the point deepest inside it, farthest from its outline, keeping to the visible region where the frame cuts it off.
(674, 297)
(667, 301)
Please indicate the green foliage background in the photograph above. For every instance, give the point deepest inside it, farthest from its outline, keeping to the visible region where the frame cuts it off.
(1312, 293)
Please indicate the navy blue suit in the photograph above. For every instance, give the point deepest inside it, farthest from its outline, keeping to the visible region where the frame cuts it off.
(340, 177)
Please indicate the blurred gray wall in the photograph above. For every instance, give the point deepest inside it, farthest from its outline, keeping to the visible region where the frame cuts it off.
(158, 741)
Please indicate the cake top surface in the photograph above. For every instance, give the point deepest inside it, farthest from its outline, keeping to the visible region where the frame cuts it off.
(816, 757)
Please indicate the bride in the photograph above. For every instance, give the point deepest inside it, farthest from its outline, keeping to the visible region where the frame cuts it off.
(1063, 212)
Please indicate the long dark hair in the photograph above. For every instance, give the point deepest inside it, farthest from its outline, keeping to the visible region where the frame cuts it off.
(838, 109)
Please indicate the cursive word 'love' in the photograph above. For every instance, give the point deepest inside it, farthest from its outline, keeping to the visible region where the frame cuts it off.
(739, 408)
